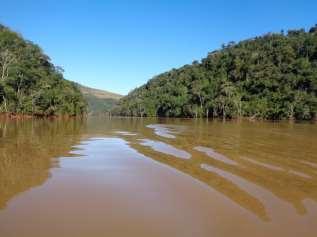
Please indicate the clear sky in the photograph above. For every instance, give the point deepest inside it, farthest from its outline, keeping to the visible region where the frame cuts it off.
(119, 45)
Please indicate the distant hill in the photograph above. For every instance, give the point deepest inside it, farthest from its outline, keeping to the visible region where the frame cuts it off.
(99, 101)
(99, 93)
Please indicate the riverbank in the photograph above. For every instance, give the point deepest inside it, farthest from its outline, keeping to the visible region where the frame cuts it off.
(20, 116)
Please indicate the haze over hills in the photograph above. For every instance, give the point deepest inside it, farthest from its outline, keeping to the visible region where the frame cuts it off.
(99, 101)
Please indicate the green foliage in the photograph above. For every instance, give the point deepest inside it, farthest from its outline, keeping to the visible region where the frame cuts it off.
(270, 77)
(30, 83)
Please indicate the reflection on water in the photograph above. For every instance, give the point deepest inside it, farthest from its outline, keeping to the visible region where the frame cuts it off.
(268, 166)
(283, 159)
(265, 173)
(125, 133)
(166, 130)
(26, 152)
(215, 155)
(314, 165)
(165, 148)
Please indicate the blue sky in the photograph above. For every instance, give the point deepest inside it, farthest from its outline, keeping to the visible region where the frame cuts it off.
(119, 45)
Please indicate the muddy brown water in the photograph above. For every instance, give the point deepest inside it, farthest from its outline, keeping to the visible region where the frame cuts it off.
(157, 177)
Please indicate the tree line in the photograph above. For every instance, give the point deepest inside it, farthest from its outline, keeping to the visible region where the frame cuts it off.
(30, 83)
(273, 76)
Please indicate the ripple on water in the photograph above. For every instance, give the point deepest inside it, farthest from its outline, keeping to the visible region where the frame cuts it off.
(125, 133)
(276, 168)
(162, 130)
(165, 148)
(301, 174)
(268, 166)
(215, 155)
(309, 163)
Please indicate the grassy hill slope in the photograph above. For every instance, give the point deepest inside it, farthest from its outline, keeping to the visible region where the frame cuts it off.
(99, 101)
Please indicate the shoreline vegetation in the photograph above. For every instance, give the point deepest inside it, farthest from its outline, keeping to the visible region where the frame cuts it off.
(30, 85)
(219, 119)
(271, 77)
(21, 116)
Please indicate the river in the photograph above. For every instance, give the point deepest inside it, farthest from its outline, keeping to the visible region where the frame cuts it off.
(157, 177)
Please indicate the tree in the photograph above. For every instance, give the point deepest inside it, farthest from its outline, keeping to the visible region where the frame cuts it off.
(273, 76)
(30, 83)
(6, 60)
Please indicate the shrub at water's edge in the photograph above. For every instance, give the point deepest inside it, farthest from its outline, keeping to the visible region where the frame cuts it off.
(269, 77)
(30, 84)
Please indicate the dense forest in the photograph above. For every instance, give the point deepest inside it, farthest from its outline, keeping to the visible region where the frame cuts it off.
(269, 77)
(30, 83)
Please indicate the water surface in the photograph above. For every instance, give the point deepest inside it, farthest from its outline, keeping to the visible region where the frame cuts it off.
(157, 177)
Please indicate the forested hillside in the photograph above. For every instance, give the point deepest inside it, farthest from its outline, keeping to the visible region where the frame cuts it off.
(99, 101)
(30, 83)
(270, 77)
